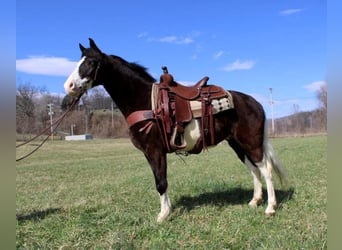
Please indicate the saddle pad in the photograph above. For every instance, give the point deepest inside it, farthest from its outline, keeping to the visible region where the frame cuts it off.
(219, 105)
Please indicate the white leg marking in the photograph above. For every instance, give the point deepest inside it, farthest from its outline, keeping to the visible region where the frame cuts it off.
(165, 207)
(266, 170)
(257, 194)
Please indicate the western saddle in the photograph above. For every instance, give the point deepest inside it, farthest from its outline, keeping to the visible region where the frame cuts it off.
(172, 108)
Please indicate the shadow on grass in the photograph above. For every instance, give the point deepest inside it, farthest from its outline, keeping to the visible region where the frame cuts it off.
(228, 197)
(37, 215)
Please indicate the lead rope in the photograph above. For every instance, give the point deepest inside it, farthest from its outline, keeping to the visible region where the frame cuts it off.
(55, 125)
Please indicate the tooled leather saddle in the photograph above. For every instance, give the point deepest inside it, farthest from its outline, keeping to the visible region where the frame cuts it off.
(173, 108)
(175, 111)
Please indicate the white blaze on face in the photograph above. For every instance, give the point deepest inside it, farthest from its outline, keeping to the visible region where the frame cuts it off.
(74, 84)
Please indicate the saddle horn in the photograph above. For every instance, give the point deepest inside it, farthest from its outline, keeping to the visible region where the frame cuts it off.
(165, 71)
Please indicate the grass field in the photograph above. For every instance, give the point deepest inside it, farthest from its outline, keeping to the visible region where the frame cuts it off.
(100, 194)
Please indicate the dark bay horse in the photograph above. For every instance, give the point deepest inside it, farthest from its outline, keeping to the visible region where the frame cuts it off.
(130, 86)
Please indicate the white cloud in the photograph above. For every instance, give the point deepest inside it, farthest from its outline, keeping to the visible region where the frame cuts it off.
(44, 65)
(315, 86)
(289, 12)
(176, 40)
(239, 65)
(218, 54)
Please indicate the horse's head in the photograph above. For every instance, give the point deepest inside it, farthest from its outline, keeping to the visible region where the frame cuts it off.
(85, 75)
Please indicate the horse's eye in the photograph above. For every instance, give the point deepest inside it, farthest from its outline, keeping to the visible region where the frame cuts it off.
(92, 62)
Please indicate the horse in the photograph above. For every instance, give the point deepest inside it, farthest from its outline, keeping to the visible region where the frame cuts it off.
(130, 86)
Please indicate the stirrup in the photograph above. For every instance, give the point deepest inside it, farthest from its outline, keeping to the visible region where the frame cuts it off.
(173, 138)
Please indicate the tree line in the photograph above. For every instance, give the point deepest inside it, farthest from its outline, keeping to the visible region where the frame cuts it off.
(94, 114)
(98, 115)
(308, 122)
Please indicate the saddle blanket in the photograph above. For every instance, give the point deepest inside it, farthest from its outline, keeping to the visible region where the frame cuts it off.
(218, 105)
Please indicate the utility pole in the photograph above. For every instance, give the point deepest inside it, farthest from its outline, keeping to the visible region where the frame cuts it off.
(50, 113)
(272, 112)
(72, 128)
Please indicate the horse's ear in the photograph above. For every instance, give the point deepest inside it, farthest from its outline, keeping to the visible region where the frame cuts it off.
(82, 48)
(93, 45)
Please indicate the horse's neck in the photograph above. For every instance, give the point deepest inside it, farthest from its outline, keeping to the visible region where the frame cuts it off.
(129, 94)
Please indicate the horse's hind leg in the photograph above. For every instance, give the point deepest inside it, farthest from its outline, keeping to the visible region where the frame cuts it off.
(258, 167)
(257, 194)
(265, 167)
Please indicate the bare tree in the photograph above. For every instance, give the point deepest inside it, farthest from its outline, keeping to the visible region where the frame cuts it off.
(42, 109)
(25, 115)
(322, 97)
(99, 99)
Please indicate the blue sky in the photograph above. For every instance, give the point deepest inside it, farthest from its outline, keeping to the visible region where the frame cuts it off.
(248, 46)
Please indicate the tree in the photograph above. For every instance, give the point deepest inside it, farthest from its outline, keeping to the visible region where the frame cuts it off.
(42, 109)
(25, 116)
(99, 99)
(299, 126)
(322, 97)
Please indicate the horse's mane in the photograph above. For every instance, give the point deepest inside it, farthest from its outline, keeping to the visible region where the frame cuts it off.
(141, 71)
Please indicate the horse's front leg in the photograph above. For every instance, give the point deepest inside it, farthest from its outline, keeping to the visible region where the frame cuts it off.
(157, 160)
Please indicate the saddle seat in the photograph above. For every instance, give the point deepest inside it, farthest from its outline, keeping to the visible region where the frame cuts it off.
(188, 92)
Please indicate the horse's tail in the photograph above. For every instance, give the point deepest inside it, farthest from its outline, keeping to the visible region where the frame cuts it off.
(272, 158)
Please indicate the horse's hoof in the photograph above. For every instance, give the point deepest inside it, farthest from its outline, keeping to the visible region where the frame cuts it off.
(161, 217)
(270, 211)
(254, 203)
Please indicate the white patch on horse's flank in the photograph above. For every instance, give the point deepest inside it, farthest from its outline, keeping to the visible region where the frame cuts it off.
(192, 133)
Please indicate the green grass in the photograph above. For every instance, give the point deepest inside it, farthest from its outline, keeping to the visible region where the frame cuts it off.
(100, 194)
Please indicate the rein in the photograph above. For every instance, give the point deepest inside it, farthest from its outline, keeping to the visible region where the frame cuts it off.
(55, 125)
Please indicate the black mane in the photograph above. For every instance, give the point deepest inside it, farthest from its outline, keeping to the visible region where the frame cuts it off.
(141, 71)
